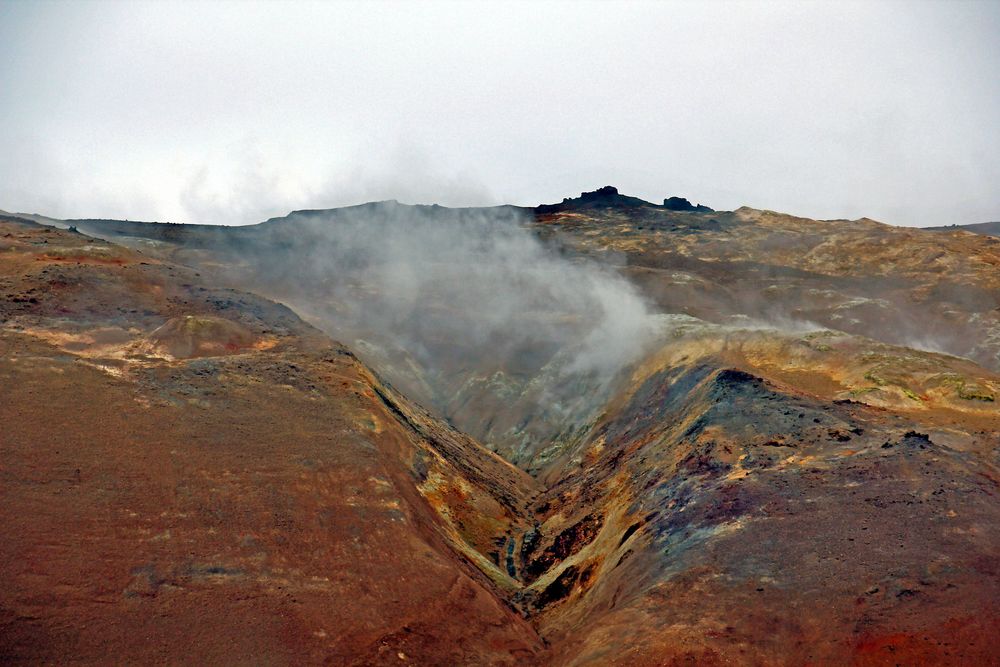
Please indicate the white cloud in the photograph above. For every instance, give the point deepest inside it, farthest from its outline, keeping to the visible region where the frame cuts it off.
(230, 112)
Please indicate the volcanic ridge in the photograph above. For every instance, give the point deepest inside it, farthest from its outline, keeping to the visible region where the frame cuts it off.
(603, 431)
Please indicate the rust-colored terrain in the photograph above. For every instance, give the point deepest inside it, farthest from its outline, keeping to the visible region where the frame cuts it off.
(194, 475)
(801, 465)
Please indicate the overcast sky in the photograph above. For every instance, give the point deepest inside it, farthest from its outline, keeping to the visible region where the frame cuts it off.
(232, 113)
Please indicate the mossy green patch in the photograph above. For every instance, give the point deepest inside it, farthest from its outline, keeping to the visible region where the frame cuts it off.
(968, 390)
(876, 379)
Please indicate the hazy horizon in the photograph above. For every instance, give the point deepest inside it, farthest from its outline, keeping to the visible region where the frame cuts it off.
(232, 113)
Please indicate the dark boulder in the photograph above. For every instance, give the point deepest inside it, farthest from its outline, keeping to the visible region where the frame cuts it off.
(682, 204)
(606, 197)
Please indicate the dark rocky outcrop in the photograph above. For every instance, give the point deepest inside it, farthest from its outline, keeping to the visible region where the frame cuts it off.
(606, 197)
(682, 204)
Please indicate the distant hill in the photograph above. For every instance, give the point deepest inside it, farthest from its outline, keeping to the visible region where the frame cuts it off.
(987, 228)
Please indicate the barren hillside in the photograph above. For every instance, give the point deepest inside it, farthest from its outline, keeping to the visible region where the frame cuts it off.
(597, 432)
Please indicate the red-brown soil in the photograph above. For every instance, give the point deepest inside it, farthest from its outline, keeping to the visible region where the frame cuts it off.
(192, 474)
(255, 508)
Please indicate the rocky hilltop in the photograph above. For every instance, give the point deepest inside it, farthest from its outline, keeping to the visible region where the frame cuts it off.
(683, 435)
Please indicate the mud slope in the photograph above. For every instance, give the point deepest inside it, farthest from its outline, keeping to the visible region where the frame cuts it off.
(734, 505)
(937, 291)
(906, 286)
(802, 467)
(193, 475)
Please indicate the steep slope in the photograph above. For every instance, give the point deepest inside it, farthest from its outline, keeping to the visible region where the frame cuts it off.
(904, 286)
(192, 474)
(465, 310)
(794, 468)
(733, 505)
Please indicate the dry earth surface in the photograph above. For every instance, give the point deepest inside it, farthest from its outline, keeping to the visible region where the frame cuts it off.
(802, 467)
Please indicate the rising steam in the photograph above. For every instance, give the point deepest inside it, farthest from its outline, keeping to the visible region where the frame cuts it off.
(459, 305)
